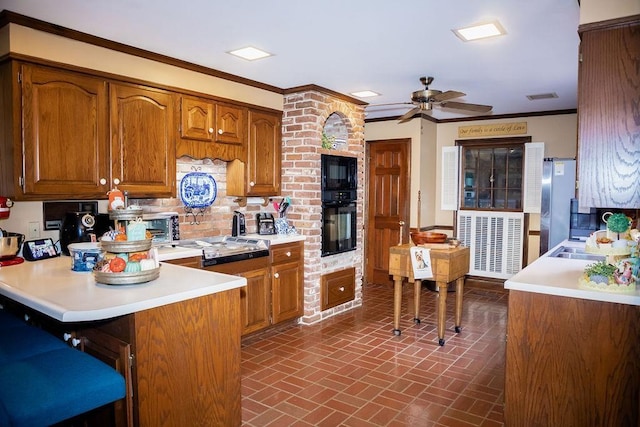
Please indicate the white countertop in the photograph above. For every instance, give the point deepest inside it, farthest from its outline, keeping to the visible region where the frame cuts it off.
(559, 276)
(50, 287)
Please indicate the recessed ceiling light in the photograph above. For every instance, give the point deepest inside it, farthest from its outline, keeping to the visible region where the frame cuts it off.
(480, 31)
(365, 94)
(250, 53)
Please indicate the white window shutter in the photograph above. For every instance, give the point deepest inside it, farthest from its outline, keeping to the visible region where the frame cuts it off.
(533, 160)
(449, 179)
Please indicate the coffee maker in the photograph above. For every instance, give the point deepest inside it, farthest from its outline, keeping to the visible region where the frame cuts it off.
(79, 227)
(238, 226)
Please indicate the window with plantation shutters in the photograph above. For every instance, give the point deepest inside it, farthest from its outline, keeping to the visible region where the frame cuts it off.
(492, 183)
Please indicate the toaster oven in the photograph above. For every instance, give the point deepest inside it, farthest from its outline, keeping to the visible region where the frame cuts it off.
(163, 226)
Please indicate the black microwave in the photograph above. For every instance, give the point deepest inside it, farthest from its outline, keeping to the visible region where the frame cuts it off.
(339, 177)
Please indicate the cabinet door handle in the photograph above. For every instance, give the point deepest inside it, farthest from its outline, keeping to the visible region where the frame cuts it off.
(341, 288)
(276, 275)
(210, 130)
(251, 184)
(103, 181)
(71, 339)
(220, 131)
(288, 253)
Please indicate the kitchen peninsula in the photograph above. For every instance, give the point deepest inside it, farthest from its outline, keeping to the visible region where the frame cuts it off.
(175, 339)
(573, 354)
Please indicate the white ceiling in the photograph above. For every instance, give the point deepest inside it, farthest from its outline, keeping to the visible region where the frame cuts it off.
(352, 45)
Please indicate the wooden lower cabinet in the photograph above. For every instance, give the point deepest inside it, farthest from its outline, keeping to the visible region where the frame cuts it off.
(181, 362)
(275, 285)
(287, 283)
(119, 355)
(255, 298)
(337, 288)
(571, 362)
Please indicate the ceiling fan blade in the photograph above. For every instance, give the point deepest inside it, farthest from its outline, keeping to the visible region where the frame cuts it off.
(450, 94)
(479, 108)
(409, 115)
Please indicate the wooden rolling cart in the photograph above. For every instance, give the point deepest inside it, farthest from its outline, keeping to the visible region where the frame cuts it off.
(448, 265)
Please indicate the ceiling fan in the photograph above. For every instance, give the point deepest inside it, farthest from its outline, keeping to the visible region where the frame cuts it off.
(425, 100)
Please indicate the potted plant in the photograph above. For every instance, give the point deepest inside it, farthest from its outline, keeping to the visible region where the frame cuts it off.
(600, 272)
(618, 223)
(328, 141)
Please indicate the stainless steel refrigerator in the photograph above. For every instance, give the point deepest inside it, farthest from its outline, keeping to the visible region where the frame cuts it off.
(558, 188)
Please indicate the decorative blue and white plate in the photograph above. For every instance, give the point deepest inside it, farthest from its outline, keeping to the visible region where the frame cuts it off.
(198, 190)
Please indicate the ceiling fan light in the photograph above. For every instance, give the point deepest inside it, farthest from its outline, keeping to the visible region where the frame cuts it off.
(480, 31)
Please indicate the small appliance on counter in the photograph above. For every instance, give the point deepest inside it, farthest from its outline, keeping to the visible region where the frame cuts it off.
(238, 226)
(10, 244)
(266, 223)
(82, 227)
(163, 226)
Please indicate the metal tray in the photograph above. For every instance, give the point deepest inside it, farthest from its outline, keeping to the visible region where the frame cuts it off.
(126, 278)
(125, 214)
(121, 246)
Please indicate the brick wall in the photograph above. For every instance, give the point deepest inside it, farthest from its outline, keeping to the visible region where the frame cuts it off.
(212, 221)
(304, 116)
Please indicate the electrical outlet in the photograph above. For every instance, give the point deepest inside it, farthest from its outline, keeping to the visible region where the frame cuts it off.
(34, 230)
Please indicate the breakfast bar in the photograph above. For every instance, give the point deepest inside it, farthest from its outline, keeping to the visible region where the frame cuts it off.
(176, 339)
(448, 265)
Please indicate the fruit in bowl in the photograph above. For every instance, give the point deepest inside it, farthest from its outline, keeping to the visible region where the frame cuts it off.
(422, 237)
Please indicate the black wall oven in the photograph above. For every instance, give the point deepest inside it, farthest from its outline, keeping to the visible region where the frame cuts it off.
(339, 194)
(338, 227)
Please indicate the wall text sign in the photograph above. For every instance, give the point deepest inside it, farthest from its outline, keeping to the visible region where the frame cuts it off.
(496, 129)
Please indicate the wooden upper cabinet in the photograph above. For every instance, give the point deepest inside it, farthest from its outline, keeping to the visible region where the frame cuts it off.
(143, 133)
(197, 118)
(231, 124)
(210, 129)
(81, 132)
(260, 174)
(65, 126)
(608, 82)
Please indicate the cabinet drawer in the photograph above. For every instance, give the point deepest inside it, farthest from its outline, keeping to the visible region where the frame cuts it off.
(337, 288)
(286, 252)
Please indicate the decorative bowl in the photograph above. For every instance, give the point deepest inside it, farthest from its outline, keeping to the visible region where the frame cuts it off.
(84, 255)
(421, 237)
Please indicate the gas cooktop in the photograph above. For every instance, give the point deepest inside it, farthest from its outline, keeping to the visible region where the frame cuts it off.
(224, 249)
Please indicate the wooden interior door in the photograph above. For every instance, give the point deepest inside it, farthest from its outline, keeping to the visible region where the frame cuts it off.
(387, 206)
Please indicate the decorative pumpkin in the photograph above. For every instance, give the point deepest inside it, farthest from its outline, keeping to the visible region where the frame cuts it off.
(147, 264)
(132, 267)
